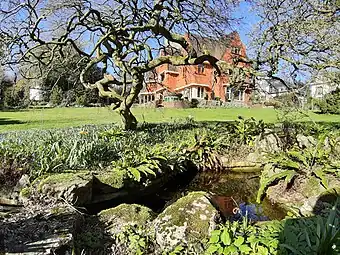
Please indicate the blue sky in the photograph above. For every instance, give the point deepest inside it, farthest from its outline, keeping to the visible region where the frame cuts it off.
(248, 20)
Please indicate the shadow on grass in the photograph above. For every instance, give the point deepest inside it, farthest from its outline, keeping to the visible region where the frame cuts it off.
(7, 121)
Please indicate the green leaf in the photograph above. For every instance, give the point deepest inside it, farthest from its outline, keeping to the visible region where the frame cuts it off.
(297, 155)
(146, 170)
(245, 249)
(213, 248)
(225, 237)
(230, 250)
(135, 173)
(319, 173)
(215, 236)
(239, 241)
(262, 250)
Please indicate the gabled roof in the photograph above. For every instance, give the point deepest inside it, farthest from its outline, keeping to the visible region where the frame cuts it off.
(203, 45)
(213, 46)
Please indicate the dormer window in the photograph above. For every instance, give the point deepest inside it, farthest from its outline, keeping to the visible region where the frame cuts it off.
(200, 68)
(235, 50)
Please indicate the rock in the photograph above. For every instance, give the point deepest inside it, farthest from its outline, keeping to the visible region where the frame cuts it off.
(117, 218)
(41, 231)
(11, 195)
(187, 221)
(75, 188)
(269, 143)
(305, 141)
(306, 195)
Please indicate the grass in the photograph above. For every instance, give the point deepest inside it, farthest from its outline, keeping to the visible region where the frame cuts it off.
(67, 117)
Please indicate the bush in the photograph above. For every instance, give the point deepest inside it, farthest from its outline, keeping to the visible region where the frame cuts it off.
(70, 97)
(330, 103)
(16, 96)
(288, 100)
(81, 100)
(56, 96)
(274, 103)
(194, 103)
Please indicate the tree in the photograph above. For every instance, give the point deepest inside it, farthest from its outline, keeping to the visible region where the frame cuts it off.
(125, 38)
(298, 36)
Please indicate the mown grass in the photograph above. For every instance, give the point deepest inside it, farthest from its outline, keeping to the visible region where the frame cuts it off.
(73, 117)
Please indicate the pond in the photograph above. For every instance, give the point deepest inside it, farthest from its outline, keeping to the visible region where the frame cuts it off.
(234, 194)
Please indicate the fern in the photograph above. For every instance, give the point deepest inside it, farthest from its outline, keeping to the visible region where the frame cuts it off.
(320, 173)
(288, 175)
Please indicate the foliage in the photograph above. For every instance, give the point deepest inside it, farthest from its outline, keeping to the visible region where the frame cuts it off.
(319, 160)
(56, 96)
(202, 152)
(288, 100)
(17, 95)
(244, 238)
(194, 103)
(136, 238)
(315, 235)
(247, 130)
(330, 103)
(81, 100)
(318, 235)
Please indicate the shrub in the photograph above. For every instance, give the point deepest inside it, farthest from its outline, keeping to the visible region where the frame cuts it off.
(81, 100)
(56, 96)
(287, 100)
(274, 103)
(70, 97)
(194, 103)
(330, 103)
(17, 95)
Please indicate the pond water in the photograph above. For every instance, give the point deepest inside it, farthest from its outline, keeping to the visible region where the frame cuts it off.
(235, 195)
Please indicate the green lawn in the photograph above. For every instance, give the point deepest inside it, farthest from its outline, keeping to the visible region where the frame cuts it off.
(66, 117)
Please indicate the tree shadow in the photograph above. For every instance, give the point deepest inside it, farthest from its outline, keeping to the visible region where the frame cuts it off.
(54, 232)
(314, 234)
(7, 121)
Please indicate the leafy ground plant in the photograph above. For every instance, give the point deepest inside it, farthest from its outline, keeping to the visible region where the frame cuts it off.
(243, 238)
(320, 160)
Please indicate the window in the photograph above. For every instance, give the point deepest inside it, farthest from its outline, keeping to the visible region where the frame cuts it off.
(229, 92)
(200, 68)
(161, 77)
(200, 92)
(235, 50)
(233, 94)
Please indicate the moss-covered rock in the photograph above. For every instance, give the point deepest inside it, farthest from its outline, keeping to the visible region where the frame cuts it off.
(119, 217)
(75, 188)
(305, 196)
(187, 221)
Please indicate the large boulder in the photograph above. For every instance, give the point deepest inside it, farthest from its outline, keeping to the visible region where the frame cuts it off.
(118, 218)
(188, 221)
(306, 195)
(75, 188)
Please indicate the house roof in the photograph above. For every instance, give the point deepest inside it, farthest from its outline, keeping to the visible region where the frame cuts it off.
(213, 46)
(202, 45)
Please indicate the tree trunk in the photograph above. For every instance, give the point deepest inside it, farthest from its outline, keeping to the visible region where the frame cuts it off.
(128, 119)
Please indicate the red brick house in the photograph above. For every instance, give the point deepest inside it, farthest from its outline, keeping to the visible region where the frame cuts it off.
(199, 81)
